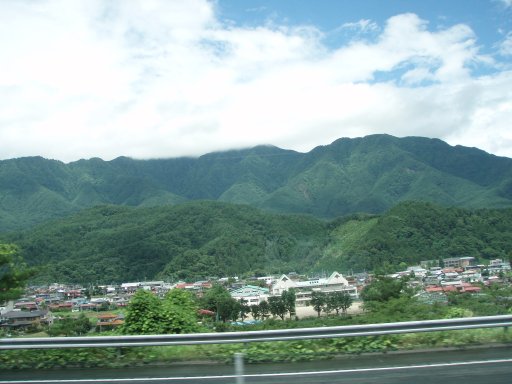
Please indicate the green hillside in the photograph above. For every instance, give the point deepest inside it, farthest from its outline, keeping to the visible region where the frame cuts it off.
(198, 240)
(193, 240)
(413, 231)
(370, 174)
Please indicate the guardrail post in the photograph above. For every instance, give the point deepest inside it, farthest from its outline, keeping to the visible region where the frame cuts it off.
(239, 368)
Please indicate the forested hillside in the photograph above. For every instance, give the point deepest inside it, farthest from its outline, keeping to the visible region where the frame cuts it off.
(192, 240)
(414, 231)
(204, 239)
(370, 174)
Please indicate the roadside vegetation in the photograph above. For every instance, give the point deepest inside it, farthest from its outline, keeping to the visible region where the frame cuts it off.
(384, 300)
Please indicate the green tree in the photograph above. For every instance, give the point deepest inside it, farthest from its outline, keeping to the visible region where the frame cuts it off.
(69, 326)
(256, 311)
(338, 300)
(289, 299)
(345, 301)
(179, 312)
(277, 306)
(244, 309)
(318, 301)
(384, 289)
(236, 311)
(13, 273)
(264, 309)
(143, 314)
(219, 300)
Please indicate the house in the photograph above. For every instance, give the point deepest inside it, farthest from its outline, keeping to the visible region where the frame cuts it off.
(26, 305)
(109, 321)
(198, 287)
(267, 279)
(498, 265)
(88, 307)
(432, 296)
(450, 276)
(455, 287)
(130, 287)
(471, 276)
(25, 319)
(428, 264)
(418, 271)
(66, 306)
(432, 280)
(72, 294)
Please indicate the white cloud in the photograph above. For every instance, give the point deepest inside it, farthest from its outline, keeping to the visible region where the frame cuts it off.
(166, 79)
(363, 25)
(505, 47)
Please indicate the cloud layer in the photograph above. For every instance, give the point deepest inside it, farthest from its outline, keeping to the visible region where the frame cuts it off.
(165, 79)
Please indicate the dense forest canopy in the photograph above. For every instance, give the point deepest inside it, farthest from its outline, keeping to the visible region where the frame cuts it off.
(211, 239)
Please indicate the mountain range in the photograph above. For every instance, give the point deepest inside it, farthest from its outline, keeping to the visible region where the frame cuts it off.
(369, 174)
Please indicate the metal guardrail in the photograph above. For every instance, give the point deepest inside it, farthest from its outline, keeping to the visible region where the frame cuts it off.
(258, 336)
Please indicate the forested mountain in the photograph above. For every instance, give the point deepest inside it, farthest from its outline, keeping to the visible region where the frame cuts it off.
(203, 239)
(369, 174)
(191, 240)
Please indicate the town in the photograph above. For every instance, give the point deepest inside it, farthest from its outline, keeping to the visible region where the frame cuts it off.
(42, 306)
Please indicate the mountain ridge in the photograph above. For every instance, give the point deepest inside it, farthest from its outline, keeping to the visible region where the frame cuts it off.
(369, 174)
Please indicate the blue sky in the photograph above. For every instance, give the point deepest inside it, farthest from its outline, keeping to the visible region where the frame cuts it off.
(489, 19)
(169, 78)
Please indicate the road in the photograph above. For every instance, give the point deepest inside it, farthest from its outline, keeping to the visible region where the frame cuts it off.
(482, 365)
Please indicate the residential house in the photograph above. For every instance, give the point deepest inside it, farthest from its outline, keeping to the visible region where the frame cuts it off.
(130, 287)
(417, 271)
(25, 319)
(66, 306)
(26, 305)
(498, 265)
(428, 264)
(198, 287)
(109, 321)
(471, 276)
(459, 287)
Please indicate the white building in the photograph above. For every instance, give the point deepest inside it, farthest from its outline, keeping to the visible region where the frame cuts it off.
(251, 294)
(334, 283)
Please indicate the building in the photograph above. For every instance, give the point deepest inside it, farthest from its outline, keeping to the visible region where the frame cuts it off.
(109, 321)
(251, 294)
(498, 265)
(458, 262)
(25, 319)
(334, 283)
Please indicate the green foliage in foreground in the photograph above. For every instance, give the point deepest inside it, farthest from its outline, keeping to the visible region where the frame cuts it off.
(403, 307)
(13, 273)
(146, 314)
(69, 326)
(305, 350)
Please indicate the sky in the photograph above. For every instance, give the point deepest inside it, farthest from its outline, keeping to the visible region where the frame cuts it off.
(172, 78)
